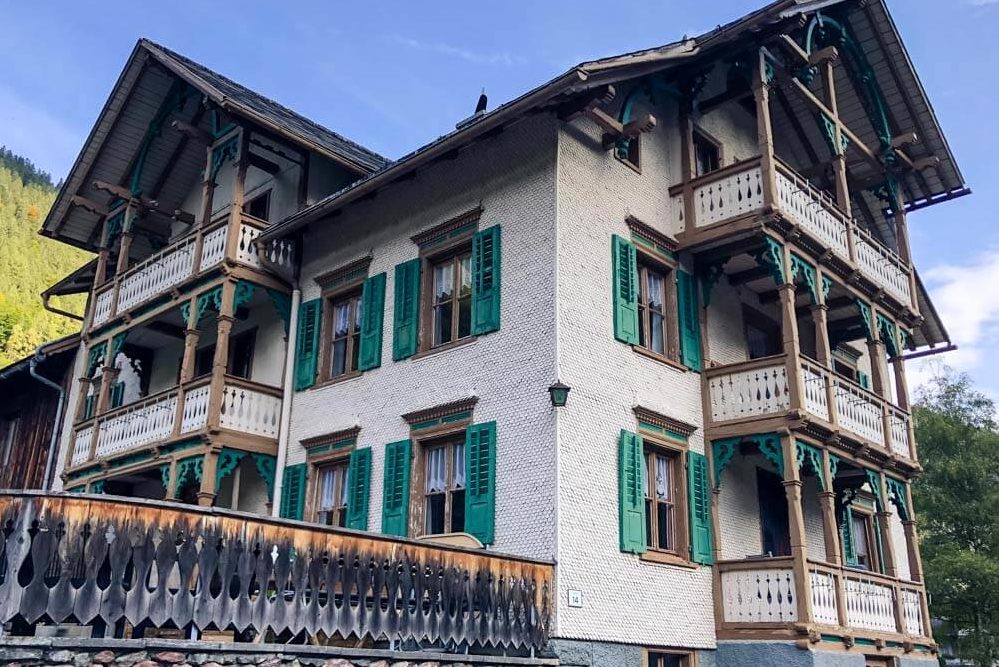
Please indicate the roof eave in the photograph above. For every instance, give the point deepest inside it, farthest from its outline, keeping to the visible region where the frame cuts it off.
(396, 169)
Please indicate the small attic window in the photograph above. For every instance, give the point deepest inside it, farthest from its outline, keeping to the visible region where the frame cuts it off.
(629, 151)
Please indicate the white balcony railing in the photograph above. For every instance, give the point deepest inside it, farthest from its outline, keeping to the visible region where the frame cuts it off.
(737, 190)
(825, 609)
(102, 306)
(175, 264)
(250, 409)
(760, 388)
(810, 208)
(870, 603)
(882, 267)
(762, 591)
(752, 389)
(761, 594)
(156, 274)
(138, 424)
(859, 411)
(246, 407)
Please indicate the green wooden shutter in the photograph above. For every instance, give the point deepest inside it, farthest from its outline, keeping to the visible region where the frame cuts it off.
(849, 547)
(631, 491)
(117, 394)
(486, 280)
(480, 481)
(372, 320)
(699, 505)
(358, 484)
(624, 259)
(864, 380)
(690, 322)
(89, 403)
(293, 491)
(395, 493)
(307, 346)
(406, 318)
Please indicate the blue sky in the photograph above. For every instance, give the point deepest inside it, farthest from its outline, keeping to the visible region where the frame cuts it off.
(394, 75)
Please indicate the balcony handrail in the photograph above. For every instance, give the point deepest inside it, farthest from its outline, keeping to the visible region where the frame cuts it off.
(253, 221)
(880, 247)
(145, 401)
(253, 386)
(717, 174)
(752, 364)
(854, 386)
(756, 563)
(477, 597)
(824, 199)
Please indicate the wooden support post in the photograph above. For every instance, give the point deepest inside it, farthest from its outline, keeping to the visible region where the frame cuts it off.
(238, 195)
(879, 370)
(884, 525)
(108, 373)
(764, 130)
(839, 155)
(207, 198)
(221, 359)
(687, 162)
(827, 501)
(789, 333)
(191, 336)
(207, 491)
(796, 528)
(171, 486)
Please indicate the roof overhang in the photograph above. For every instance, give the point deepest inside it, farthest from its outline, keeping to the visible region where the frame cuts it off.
(142, 95)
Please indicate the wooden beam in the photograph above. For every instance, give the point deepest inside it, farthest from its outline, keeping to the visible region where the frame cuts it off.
(792, 48)
(828, 54)
(586, 102)
(748, 276)
(192, 132)
(730, 95)
(260, 162)
(125, 193)
(167, 329)
(88, 205)
(183, 217)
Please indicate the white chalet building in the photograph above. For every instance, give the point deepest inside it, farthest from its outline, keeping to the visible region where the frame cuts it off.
(635, 339)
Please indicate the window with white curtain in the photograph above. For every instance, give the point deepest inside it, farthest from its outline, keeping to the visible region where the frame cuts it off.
(331, 501)
(445, 486)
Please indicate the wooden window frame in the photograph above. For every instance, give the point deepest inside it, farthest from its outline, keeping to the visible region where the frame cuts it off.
(636, 163)
(428, 258)
(350, 290)
(421, 441)
(316, 466)
(265, 194)
(754, 318)
(650, 655)
(698, 132)
(869, 516)
(671, 321)
(677, 449)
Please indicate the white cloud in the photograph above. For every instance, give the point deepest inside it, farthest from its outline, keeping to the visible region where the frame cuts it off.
(501, 58)
(36, 134)
(967, 300)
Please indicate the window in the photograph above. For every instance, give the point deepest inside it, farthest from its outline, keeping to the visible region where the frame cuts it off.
(260, 206)
(331, 499)
(776, 535)
(345, 335)
(707, 154)
(763, 337)
(654, 298)
(662, 490)
(241, 354)
(451, 298)
(668, 659)
(240, 363)
(444, 487)
(862, 527)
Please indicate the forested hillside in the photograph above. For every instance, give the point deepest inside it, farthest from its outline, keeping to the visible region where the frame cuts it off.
(30, 263)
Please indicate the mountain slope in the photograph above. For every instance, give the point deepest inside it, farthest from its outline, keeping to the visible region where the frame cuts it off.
(30, 263)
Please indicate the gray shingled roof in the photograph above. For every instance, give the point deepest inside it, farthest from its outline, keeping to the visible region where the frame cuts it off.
(231, 93)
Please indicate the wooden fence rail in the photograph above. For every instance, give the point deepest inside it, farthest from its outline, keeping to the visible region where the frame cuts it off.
(93, 559)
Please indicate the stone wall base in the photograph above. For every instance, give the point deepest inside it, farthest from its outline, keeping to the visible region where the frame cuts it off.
(74, 652)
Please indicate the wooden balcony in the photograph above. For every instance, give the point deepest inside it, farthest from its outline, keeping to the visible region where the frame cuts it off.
(753, 391)
(243, 407)
(736, 193)
(230, 237)
(763, 594)
(114, 563)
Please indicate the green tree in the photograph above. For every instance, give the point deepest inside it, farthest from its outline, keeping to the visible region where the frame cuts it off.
(30, 263)
(957, 500)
